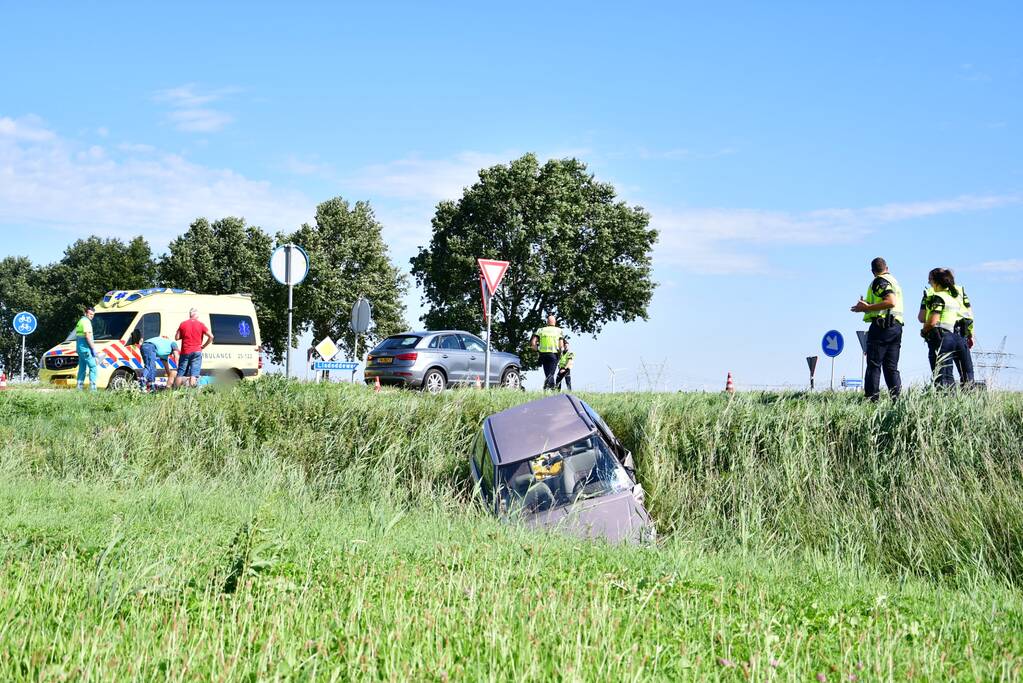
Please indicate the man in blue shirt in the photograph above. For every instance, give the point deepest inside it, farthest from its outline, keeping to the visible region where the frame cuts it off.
(153, 349)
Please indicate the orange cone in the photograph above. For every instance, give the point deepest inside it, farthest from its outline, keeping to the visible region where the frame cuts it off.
(376, 387)
(479, 384)
(729, 385)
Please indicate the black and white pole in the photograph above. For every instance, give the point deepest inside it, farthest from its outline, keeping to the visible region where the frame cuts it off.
(289, 265)
(291, 288)
(22, 358)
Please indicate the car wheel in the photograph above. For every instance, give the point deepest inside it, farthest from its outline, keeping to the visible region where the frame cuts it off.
(434, 382)
(121, 380)
(511, 379)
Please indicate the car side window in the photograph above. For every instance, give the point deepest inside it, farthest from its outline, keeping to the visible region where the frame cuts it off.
(434, 343)
(472, 343)
(150, 325)
(449, 341)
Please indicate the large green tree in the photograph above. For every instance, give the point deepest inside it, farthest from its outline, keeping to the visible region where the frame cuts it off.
(348, 258)
(576, 252)
(229, 257)
(21, 289)
(89, 269)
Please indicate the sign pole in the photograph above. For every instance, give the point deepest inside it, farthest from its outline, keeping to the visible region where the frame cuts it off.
(486, 383)
(832, 373)
(287, 270)
(22, 358)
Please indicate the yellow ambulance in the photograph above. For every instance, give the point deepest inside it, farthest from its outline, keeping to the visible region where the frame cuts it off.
(235, 353)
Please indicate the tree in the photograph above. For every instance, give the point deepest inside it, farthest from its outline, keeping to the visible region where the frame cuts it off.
(20, 290)
(347, 259)
(229, 257)
(89, 269)
(576, 252)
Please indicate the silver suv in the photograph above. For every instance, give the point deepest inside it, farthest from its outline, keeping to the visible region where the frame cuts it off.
(434, 361)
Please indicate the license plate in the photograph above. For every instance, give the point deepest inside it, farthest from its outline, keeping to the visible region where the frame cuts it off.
(385, 361)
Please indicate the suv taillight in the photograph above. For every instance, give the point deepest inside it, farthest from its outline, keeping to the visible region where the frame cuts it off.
(407, 356)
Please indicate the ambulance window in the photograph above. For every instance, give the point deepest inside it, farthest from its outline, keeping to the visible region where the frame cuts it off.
(150, 325)
(232, 329)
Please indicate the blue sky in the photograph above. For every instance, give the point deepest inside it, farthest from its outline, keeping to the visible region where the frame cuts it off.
(778, 146)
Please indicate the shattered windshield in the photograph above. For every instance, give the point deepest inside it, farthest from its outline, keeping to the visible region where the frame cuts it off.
(584, 469)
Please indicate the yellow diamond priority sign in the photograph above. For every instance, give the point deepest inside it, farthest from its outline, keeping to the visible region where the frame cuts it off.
(327, 348)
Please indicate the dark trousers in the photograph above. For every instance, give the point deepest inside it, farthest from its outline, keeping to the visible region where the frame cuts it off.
(565, 375)
(945, 351)
(964, 363)
(549, 363)
(883, 347)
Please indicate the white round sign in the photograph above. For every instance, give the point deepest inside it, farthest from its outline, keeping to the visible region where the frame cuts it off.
(280, 262)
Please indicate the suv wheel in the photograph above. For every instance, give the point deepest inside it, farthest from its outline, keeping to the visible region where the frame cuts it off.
(433, 381)
(511, 379)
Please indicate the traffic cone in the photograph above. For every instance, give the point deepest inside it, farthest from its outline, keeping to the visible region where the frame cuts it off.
(376, 386)
(479, 384)
(729, 385)
(3, 379)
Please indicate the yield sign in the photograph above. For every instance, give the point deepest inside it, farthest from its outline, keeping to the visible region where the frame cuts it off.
(485, 292)
(493, 272)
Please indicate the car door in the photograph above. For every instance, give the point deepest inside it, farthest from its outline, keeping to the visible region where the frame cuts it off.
(453, 358)
(477, 357)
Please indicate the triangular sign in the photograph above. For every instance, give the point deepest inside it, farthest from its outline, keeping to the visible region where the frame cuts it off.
(812, 362)
(493, 272)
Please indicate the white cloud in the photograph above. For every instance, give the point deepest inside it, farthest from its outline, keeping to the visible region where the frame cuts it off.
(47, 180)
(426, 179)
(1011, 266)
(298, 166)
(723, 241)
(189, 108)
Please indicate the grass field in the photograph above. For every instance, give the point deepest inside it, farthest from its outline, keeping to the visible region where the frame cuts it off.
(279, 531)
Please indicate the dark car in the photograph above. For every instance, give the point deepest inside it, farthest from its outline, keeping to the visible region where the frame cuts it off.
(554, 463)
(433, 361)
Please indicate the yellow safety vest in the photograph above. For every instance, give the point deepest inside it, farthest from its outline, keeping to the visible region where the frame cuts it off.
(871, 298)
(950, 313)
(549, 338)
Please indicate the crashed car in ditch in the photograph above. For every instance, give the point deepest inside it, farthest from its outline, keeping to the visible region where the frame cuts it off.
(554, 463)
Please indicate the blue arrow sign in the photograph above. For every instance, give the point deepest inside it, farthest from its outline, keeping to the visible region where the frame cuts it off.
(25, 323)
(335, 365)
(832, 344)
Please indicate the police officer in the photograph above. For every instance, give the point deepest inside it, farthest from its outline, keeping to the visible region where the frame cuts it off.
(565, 366)
(942, 310)
(86, 349)
(964, 328)
(883, 309)
(548, 341)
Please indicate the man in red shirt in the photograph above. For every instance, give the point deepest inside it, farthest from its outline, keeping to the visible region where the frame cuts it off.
(190, 334)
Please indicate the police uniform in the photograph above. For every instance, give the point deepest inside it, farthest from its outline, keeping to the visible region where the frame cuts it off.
(964, 328)
(549, 344)
(884, 338)
(564, 371)
(943, 343)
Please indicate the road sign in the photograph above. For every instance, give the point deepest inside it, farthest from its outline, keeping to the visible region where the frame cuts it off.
(25, 323)
(493, 272)
(289, 264)
(348, 365)
(832, 343)
(811, 362)
(852, 382)
(862, 336)
(362, 316)
(326, 348)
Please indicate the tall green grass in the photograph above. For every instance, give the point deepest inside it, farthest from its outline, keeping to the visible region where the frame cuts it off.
(931, 485)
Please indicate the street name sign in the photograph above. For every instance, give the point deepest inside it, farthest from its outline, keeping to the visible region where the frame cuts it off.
(348, 365)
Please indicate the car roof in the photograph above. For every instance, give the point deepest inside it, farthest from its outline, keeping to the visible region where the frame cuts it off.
(526, 430)
(426, 333)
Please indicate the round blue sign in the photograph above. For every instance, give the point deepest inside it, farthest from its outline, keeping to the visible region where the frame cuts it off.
(832, 344)
(25, 323)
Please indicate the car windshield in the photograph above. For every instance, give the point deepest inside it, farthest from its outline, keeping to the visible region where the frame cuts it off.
(107, 326)
(584, 469)
(401, 341)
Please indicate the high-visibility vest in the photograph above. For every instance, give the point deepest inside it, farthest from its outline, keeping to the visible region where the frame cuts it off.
(951, 312)
(871, 298)
(83, 327)
(965, 313)
(549, 338)
(565, 359)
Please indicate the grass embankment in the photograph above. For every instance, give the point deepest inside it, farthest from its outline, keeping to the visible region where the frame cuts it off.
(280, 530)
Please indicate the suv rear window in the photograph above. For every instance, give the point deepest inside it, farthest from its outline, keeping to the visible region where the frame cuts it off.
(400, 341)
(232, 329)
